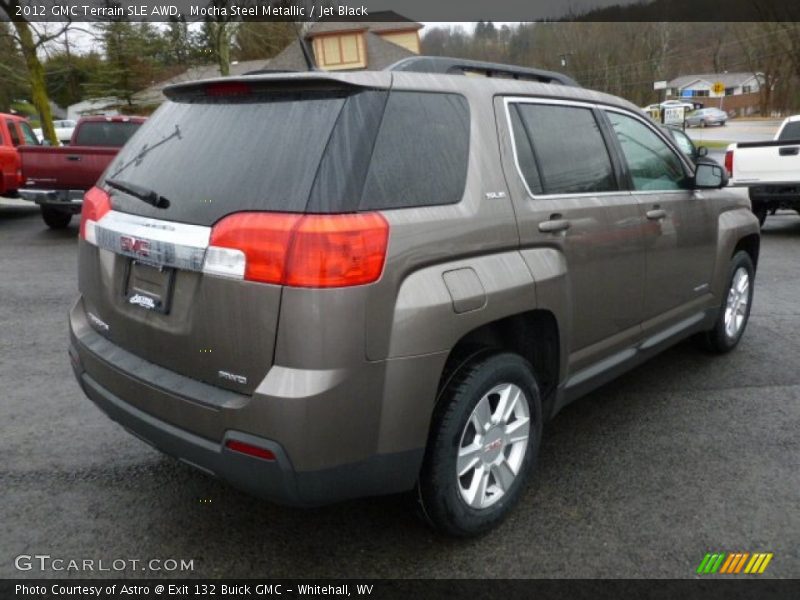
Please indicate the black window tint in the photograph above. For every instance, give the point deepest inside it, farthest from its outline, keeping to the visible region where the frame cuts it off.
(790, 132)
(218, 156)
(340, 180)
(105, 133)
(12, 131)
(569, 149)
(421, 152)
(652, 162)
(524, 152)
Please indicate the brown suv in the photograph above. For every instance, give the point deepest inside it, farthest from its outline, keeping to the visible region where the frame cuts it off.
(321, 286)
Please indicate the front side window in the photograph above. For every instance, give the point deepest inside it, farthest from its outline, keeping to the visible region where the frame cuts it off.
(566, 147)
(684, 143)
(28, 135)
(652, 163)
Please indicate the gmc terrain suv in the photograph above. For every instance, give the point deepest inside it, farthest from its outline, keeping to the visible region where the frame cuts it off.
(321, 286)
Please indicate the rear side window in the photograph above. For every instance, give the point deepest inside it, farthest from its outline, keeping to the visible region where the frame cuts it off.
(568, 148)
(524, 152)
(105, 133)
(12, 131)
(790, 132)
(421, 152)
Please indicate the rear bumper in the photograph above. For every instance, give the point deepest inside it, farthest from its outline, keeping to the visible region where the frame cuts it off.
(99, 365)
(269, 479)
(67, 200)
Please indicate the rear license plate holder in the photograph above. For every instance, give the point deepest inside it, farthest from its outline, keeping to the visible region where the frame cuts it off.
(149, 287)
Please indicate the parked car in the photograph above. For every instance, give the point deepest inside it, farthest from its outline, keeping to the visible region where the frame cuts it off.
(706, 117)
(429, 268)
(678, 103)
(64, 130)
(770, 170)
(14, 131)
(57, 178)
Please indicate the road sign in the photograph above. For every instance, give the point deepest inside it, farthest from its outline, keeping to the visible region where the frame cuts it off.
(659, 85)
(674, 115)
(718, 88)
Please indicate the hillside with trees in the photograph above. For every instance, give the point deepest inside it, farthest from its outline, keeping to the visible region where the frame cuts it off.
(626, 58)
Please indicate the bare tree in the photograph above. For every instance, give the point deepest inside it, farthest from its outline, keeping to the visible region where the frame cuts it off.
(30, 39)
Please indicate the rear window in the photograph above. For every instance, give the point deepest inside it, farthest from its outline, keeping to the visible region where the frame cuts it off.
(311, 151)
(790, 132)
(105, 133)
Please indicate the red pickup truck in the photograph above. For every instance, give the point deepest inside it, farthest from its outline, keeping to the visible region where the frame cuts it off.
(56, 178)
(14, 131)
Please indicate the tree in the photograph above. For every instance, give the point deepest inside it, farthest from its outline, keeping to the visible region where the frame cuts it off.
(129, 64)
(30, 40)
(14, 82)
(67, 75)
(262, 39)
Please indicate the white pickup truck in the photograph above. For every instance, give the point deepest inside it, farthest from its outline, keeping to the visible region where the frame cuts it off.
(770, 170)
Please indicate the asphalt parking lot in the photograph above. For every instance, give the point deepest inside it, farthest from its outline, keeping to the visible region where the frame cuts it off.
(687, 454)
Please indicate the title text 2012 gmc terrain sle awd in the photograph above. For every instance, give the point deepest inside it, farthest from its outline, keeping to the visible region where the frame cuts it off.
(320, 286)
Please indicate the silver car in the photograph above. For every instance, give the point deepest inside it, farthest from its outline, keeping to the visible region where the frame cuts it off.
(706, 117)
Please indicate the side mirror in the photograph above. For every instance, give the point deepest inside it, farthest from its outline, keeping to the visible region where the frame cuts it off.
(709, 177)
(702, 151)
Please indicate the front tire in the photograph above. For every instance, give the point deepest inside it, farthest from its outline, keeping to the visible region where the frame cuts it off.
(55, 219)
(483, 445)
(735, 311)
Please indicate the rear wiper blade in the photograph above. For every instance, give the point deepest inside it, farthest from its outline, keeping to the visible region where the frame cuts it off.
(137, 191)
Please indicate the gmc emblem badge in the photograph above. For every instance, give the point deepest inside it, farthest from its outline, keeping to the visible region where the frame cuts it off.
(134, 246)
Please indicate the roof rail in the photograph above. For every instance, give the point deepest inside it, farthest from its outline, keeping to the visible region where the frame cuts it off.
(460, 66)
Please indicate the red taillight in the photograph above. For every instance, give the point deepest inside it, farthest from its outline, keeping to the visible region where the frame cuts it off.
(337, 250)
(729, 162)
(249, 449)
(228, 88)
(96, 203)
(300, 250)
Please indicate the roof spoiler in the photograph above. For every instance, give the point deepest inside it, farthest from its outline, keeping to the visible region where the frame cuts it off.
(259, 82)
(460, 66)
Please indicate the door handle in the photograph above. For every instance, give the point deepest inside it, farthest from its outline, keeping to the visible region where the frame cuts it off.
(793, 151)
(554, 225)
(656, 214)
(73, 157)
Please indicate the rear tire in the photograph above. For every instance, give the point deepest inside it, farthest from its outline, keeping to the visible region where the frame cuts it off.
(735, 311)
(483, 445)
(54, 218)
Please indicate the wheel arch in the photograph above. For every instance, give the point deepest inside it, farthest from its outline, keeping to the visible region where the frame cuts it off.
(750, 244)
(534, 335)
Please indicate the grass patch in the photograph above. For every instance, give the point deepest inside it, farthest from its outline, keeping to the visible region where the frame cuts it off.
(712, 144)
